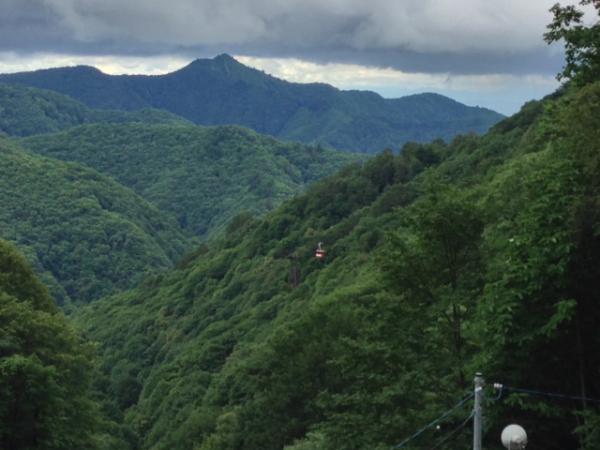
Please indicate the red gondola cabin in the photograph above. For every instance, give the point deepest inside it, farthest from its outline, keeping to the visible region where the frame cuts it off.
(320, 253)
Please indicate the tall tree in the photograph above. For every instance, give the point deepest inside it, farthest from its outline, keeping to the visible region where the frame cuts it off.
(436, 264)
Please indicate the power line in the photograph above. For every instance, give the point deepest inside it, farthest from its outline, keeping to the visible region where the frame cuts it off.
(432, 423)
(453, 432)
(501, 388)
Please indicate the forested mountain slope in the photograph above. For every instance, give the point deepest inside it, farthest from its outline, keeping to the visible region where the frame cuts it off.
(224, 91)
(480, 255)
(203, 176)
(85, 233)
(25, 111)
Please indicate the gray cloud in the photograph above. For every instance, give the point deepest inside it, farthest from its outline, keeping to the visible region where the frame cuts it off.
(456, 36)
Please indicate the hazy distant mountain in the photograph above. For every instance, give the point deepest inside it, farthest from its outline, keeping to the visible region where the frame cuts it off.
(224, 91)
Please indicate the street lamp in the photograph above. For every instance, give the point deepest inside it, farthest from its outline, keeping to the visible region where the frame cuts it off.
(514, 437)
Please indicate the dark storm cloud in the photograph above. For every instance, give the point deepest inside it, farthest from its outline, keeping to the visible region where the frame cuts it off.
(456, 36)
(29, 25)
(537, 61)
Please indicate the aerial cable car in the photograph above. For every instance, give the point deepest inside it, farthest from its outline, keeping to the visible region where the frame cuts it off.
(320, 253)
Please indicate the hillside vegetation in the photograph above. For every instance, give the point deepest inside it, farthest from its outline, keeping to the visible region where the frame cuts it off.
(25, 111)
(480, 255)
(224, 91)
(202, 176)
(86, 235)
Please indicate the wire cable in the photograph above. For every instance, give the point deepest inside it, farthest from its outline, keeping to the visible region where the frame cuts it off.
(545, 394)
(432, 423)
(453, 432)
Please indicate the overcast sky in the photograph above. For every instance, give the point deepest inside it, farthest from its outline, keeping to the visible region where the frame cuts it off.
(481, 52)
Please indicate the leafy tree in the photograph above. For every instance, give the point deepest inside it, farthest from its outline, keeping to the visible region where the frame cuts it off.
(45, 368)
(436, 264)
(582, 44)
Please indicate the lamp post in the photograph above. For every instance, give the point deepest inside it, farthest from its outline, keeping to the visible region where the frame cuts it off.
(478, 411)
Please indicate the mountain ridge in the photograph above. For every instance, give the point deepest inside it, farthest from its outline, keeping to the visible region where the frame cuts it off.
(26, 111)
(222, 91)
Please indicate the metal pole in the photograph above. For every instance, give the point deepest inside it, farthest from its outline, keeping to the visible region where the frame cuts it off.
(478, 411)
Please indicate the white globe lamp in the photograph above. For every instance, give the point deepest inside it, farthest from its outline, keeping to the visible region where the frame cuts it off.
(514, 437)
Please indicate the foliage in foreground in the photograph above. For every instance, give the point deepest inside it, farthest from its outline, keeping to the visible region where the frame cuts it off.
(45, 368)
(582, 43)
(445, 260)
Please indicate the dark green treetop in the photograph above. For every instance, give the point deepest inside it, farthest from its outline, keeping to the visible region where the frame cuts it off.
(582, 43)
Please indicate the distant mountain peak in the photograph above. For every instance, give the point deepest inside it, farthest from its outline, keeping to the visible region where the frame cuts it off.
(84, 68)
(225, 57)
(228, 61)
(219, 60)
(223, 66)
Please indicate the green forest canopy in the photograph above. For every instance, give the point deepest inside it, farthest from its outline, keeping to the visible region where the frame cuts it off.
(89, 236)
(203, 176)
(86, 234)
(444, 260)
